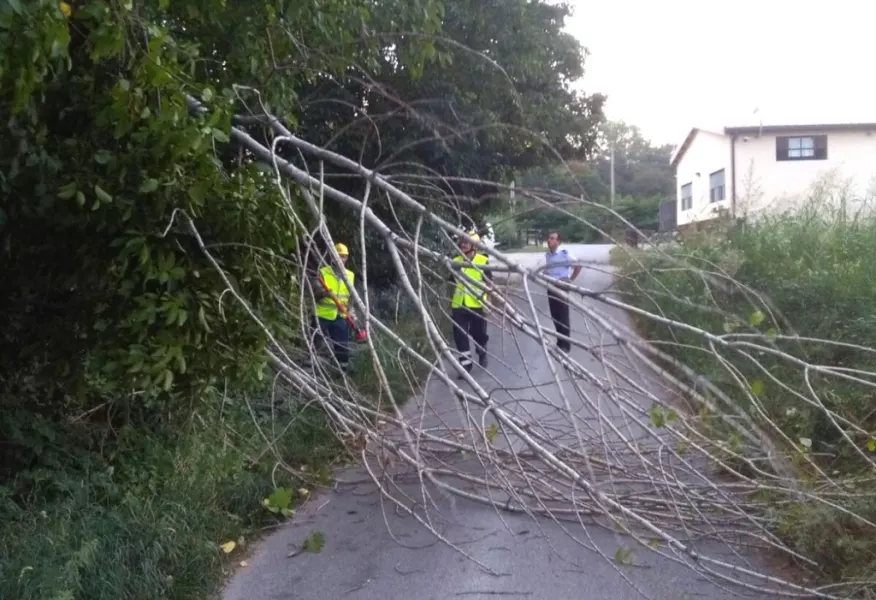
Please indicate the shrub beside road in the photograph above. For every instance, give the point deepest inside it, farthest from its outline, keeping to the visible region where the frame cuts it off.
(802, 276)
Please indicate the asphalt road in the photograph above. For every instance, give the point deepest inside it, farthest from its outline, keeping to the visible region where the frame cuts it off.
(372, 551)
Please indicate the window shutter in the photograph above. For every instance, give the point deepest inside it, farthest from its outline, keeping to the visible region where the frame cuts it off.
(781, 148)
(820, 147)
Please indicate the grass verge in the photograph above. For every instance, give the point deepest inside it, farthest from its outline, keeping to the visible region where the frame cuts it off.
(815, 280)
(168, 513)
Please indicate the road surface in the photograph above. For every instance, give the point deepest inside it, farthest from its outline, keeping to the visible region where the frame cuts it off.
(374, 552)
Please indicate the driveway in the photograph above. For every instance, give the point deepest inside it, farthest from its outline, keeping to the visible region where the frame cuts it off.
(372, 551)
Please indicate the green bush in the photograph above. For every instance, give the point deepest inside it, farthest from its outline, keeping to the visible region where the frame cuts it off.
(146, 521)
(807, 275)
(146, 518)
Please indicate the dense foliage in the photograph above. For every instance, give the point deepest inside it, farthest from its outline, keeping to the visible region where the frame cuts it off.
(815, 273)
(643, 179)
(115, 334)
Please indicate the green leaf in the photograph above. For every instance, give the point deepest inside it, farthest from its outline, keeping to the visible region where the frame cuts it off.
(492, 431)
(102, 194)
(757, 387)
(168, 380)
(623, 556)
(67, 191)
(207, 94)
(756, 318)
(196, 194)
(220, 136)
(16, 6)
(280, 498)
(771, 334)
(657, 416)
(315, 542)
(871, 445)
(102, 157)
(148, 186)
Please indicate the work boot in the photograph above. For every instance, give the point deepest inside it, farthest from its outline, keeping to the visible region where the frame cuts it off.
(482, 360)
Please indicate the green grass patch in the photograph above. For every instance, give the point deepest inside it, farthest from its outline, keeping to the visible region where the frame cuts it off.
(802, 275)
(147, 520)
(143, 513)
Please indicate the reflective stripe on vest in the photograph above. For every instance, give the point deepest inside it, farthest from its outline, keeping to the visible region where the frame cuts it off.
(466, 292)
(326, 308)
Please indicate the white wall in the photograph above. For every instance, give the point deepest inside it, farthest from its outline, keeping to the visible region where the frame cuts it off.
(765, 184)
(707, 153)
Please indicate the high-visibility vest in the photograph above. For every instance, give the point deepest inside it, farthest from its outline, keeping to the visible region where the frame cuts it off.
(326, 308)
(467, 292)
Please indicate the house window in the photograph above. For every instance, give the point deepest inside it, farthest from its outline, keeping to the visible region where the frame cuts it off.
(807, 147)
(716, 186)
(687, 196)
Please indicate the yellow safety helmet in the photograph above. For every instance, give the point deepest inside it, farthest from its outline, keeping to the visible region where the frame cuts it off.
(342, 249)
(472, 234)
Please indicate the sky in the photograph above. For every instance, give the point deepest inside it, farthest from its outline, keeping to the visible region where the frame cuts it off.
(672, 65)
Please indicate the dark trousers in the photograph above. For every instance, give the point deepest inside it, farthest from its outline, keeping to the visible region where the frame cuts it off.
(336, 332)
(559, 308)
(469, 322)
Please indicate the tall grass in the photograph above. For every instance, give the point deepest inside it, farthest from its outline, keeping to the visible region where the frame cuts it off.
(146, 519)
(813, 271)
(142, 514)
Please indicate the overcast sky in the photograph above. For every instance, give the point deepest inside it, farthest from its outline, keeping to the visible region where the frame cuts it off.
(675, 64)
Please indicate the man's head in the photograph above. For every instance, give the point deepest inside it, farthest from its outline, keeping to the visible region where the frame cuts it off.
(553, 241)
(343, 252)
(465, 246)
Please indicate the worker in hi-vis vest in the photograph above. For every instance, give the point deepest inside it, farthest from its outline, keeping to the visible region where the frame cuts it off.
(468, 302)
(332, 305)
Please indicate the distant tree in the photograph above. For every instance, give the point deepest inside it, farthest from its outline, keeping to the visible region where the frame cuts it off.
(643, 179)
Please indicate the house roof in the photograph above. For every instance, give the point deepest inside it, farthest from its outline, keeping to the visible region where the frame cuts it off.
(754, 129)
(760, 129)
(688, 140)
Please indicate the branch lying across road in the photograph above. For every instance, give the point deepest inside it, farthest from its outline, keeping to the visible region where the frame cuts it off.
(613, 443)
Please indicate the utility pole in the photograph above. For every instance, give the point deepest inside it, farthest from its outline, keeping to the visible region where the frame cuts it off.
(611, 161)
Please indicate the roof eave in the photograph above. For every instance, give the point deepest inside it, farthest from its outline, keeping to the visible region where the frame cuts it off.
(679, 152)
(820, 127)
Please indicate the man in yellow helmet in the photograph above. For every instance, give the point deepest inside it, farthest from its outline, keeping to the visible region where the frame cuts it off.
(468, 302)
(332, 296)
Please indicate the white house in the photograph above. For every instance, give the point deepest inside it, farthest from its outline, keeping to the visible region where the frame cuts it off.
(746, 170)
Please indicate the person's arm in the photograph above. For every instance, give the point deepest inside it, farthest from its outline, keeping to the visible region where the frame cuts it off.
(488, 272)
(318, 290)
(488, 275)
(576, 270)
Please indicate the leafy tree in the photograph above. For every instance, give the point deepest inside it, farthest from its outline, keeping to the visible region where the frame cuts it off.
(109, 306)
(643, 179)
(641, 169)
(110, 309)
(500, 81)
